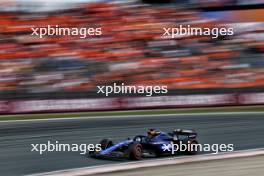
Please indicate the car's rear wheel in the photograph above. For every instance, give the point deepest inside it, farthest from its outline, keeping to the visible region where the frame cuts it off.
(193, 148)
(135, 152)
(106, 143)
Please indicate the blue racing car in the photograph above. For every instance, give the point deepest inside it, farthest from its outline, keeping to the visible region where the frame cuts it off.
(154, 144)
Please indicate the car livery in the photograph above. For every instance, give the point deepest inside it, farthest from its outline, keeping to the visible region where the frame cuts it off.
(153, 144)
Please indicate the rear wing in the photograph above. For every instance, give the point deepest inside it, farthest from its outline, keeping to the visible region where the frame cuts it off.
(189, 133)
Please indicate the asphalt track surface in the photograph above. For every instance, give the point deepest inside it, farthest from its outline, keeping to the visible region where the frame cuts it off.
(229, 167)
(244, 131)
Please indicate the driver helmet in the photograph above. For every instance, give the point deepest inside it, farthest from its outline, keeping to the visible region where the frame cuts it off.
(152, 132)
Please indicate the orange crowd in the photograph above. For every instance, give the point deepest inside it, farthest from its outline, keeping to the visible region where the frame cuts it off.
(130, 50)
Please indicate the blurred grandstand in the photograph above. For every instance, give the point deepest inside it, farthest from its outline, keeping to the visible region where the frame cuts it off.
(130, 51)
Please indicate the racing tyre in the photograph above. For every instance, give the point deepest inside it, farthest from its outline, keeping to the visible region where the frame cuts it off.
(135, 152)
(192, 152)
(106, 143)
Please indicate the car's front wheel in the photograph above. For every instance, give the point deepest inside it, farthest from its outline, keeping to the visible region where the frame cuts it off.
(135, 152)
(106, 143)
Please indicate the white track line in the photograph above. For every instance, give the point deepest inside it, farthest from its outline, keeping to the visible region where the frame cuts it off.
(127, 116)
(152, 163)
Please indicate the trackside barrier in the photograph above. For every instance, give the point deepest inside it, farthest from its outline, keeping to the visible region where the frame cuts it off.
(152, 163)
(125, 103)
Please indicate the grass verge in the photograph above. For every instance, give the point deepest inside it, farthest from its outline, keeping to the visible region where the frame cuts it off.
(134, 112)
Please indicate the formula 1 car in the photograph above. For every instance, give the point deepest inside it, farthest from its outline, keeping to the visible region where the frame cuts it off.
(154, 144)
